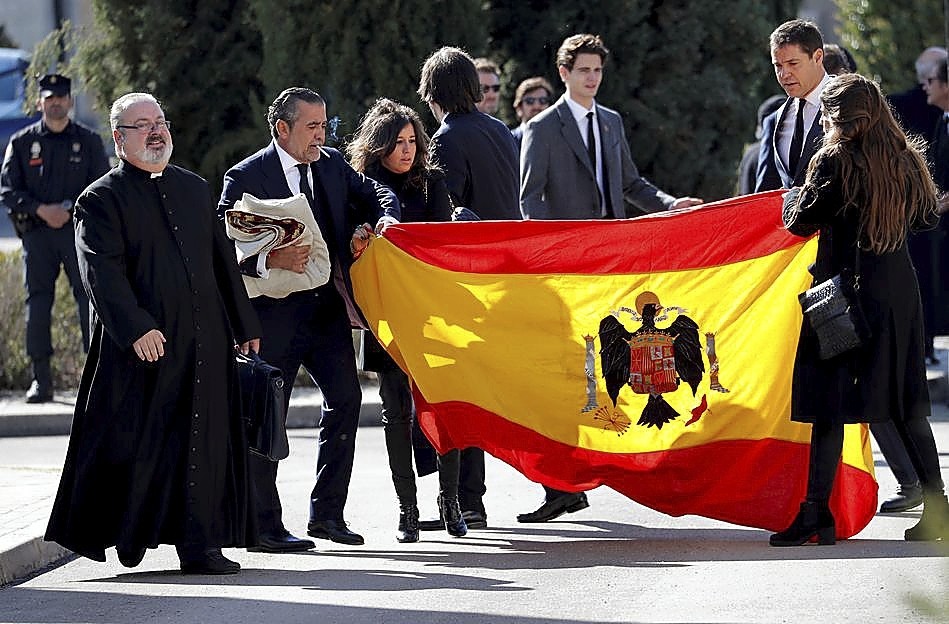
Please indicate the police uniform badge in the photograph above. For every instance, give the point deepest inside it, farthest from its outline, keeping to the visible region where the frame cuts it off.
(35, 151)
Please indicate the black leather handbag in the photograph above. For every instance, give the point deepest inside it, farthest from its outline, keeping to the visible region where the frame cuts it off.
(261, 403)
(833, 310)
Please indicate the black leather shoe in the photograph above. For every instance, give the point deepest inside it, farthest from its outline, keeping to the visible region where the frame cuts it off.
(568, 503)
(434, 524)
(130, 557)
(39, 393)
(475, 519)
(907, 497)
(281, 543)
(211, 561)
(334, 531)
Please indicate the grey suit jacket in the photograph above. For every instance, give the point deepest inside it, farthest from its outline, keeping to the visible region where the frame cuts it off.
(557, 177)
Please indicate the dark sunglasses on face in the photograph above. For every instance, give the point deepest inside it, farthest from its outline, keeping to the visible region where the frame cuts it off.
(542, 100)
(488, 88)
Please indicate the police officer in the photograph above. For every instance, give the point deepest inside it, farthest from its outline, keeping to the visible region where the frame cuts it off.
(46, 166)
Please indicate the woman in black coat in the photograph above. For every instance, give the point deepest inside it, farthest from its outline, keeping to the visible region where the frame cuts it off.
(391, 146)
(864, 188)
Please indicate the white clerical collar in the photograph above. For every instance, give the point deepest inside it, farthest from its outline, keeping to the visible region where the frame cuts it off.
(157, 175)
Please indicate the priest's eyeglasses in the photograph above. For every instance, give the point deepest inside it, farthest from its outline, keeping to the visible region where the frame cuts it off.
(147, 126)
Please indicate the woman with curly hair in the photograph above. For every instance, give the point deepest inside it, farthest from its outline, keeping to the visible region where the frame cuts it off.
(864, 189)
(391, 146)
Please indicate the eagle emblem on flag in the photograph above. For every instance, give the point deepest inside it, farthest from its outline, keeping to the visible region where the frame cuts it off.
(651, 360)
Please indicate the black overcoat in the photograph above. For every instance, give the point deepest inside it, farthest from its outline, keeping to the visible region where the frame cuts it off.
(155, 454)
(886, 378)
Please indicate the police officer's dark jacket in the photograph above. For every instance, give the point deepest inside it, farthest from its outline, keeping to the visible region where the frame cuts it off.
(44, 167)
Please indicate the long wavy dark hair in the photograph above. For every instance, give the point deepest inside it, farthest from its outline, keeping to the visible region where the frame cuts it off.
(376, 136)
(884, 173)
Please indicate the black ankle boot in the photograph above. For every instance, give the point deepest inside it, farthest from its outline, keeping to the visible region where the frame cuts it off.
(450, 510)
(934, 523)
(814, 519)
(408, 524)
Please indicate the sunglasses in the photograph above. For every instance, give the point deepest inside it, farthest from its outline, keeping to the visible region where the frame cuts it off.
(542, 100)
(489, 88)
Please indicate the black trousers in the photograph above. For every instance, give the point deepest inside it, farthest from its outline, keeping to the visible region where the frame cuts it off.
(45, 250)
(827, 442)
(894, 452)
(471, 487)
(312, 329)
(398, 415)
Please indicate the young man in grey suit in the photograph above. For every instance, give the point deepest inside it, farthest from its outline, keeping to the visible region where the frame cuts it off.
(576, 164)
(563, 174)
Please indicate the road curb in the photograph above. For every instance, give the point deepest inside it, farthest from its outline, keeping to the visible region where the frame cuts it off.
(31, 555)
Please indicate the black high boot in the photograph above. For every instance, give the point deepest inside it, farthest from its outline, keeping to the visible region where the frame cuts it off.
(934, 523)
(813, 520)
(450, 510)
(408, 524)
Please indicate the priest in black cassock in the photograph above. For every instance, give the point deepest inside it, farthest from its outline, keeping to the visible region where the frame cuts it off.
(156, 456)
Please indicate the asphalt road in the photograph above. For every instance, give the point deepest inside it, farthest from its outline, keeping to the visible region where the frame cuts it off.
(614, 562)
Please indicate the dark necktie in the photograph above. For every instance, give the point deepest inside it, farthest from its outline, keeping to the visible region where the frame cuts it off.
(305, 183)
(797, 140)
(321, 219)
(591, 142)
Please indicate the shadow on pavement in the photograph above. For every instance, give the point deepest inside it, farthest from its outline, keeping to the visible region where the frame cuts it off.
(610, 544)
(39, 606)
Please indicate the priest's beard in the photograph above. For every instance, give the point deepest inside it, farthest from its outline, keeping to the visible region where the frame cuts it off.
(155, 153)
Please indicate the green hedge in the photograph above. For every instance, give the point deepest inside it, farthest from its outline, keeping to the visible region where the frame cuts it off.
(68, 357)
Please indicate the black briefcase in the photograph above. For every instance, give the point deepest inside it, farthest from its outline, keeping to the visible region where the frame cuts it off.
(260, 390)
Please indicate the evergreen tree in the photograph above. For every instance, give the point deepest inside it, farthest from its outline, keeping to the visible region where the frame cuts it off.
(886, 38)
(687, 77)
(354, 51)
(200, 59)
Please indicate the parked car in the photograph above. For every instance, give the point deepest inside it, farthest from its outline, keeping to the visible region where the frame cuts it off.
(13, 64)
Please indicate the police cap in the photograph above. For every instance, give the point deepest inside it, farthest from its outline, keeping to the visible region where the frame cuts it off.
(54, 84)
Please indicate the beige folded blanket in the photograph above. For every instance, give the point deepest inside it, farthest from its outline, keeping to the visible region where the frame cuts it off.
(258, 226)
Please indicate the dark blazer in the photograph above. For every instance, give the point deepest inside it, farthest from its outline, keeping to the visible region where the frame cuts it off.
(479, 158)
(557, 177)
(772, 171)
(352, 198)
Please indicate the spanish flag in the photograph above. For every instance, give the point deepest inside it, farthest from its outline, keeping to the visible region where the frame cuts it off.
(499, 326)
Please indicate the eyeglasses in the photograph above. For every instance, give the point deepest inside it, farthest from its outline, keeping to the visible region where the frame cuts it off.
(146, 126)
(542, 100)
(932, 79)
(488, 88)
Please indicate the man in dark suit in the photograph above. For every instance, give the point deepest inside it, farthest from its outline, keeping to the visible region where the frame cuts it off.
(531, 97)
(912, 110)
(792, 134)
(563, 173)
(310, 327)
(479, 158)
(570, 154)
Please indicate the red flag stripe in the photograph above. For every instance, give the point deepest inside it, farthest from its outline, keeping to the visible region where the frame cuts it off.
(661, 242)
(746, 482)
